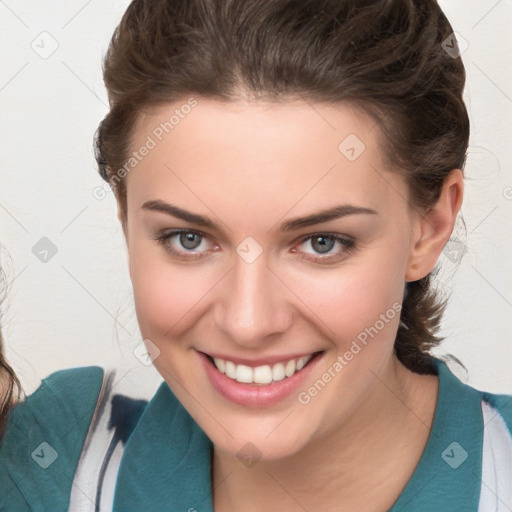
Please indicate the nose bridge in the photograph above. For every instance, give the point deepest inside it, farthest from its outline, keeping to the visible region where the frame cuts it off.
(253, 304)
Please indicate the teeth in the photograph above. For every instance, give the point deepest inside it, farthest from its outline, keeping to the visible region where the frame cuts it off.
(243, 373)
(278, 372)
(260, 374)
(289, 369)
(230, 369)
(301, 362)
(220, 364)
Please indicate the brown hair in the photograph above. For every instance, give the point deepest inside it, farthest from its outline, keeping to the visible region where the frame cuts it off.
(384, 56)
(10, 387)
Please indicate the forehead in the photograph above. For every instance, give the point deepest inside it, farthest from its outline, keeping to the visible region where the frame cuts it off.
(258, 151)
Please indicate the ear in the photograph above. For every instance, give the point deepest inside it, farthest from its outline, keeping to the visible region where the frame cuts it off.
(434, 228)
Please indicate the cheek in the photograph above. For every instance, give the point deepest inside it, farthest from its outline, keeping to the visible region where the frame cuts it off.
(165, 294)
(347, 301)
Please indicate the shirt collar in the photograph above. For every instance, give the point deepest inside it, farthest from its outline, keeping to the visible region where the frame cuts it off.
(167, 460)
(448, 475)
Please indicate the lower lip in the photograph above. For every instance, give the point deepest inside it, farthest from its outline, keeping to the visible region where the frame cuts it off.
(256, 395)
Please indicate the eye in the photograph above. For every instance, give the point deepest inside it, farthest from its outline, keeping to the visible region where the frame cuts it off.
(192, 245)
(326, 247)
(184, 244)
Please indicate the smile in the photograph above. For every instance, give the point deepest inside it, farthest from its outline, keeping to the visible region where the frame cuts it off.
(263, 385)
(261, 374)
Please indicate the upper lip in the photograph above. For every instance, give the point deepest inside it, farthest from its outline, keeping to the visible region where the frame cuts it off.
(262, 361)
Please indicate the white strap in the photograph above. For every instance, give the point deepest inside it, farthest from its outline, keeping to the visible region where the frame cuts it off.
(85, 483)
(496, 488)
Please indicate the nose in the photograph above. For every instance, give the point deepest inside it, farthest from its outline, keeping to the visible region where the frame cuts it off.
(252, 308)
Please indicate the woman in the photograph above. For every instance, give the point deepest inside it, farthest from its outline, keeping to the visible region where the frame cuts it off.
(287, 175)
(9, 387)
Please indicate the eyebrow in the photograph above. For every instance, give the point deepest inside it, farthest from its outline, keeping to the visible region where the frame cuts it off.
(290, 225)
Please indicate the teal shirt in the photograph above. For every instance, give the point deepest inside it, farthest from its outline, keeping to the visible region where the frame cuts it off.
(52, 422)
(167, 459)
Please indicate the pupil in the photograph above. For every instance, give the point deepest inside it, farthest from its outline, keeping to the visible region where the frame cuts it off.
(325, 245)
(187, 240)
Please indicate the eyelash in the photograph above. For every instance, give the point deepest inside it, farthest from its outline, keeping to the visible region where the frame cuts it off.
(347, 242)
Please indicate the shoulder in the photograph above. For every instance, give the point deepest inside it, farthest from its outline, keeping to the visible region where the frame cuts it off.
(493, 405)
(65, 395)
(496, 451)
(44, 437)
(502, 404)
(497, 416)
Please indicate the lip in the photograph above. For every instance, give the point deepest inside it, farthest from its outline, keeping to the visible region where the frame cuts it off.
(256, 395)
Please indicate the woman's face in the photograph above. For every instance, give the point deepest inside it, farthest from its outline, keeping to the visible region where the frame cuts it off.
(256, 277)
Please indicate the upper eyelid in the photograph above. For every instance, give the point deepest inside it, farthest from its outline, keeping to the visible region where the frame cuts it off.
(168, 233)
(177, 231)
(327, 234)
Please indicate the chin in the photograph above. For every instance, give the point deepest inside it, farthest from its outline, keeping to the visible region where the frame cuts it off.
(250, 449)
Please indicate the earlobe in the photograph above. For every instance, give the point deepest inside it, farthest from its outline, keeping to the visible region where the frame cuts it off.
(435, 228)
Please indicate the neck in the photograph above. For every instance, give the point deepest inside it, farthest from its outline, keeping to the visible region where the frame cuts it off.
(362, 466)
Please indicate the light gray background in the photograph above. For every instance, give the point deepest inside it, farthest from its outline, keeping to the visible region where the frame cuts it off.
(76, 309)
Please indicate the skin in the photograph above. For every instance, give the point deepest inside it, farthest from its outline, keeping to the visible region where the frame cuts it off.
(250, 166)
